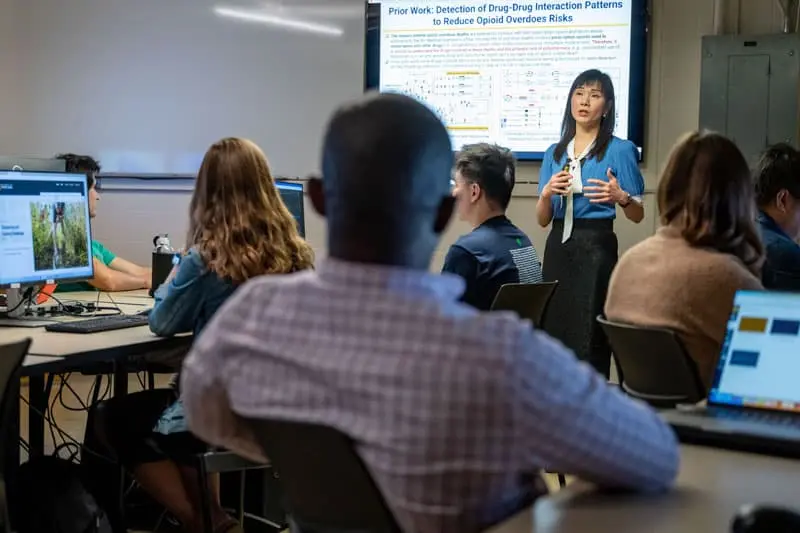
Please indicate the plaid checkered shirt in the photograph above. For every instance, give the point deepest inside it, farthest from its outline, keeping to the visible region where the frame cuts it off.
(450, 409)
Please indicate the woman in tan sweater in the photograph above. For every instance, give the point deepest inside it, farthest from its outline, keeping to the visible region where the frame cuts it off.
(685, 276)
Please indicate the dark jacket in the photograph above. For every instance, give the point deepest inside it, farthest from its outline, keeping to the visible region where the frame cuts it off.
(782, 266)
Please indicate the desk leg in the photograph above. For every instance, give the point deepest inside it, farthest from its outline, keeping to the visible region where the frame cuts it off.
(36, 409)
(11, 436)
(120, 378)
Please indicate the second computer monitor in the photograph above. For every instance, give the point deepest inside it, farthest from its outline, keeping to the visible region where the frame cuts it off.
(32, 164)
(292, 194)
(45, 234)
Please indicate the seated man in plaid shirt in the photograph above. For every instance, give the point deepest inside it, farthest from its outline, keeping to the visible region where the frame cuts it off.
(454, 411)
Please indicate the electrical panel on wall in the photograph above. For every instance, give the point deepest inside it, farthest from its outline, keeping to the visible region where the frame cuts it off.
(749, 89)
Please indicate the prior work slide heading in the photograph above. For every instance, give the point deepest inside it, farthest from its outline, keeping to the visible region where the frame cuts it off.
(513, 13)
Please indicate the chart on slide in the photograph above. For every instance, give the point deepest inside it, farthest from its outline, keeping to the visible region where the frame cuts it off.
(462, 99)
(501, 71)
(532, 104)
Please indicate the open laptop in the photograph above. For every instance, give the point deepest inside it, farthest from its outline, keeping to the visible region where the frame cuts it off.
(754, 402)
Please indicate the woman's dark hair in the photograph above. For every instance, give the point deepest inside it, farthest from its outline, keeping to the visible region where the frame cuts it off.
(607, 123)
(778, 169)
(706, 192)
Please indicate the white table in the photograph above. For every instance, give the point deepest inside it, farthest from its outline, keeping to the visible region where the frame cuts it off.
(71, 345)
(712, 486)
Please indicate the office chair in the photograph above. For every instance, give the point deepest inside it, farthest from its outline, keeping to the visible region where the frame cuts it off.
(11, 358)
(528, 300)
(326, 485)
(653, 364)
(221, 462)
(102, 474)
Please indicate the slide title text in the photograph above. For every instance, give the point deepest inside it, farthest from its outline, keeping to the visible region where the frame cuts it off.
(490, 14)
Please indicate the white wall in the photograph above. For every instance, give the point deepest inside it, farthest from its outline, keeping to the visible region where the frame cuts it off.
(11, 92)
(128, 220)
(148, 85)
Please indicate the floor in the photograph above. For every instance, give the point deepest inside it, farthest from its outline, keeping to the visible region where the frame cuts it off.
(68, 403)
(69, 414)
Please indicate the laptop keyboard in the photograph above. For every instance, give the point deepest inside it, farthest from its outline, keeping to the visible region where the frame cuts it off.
(744, 415)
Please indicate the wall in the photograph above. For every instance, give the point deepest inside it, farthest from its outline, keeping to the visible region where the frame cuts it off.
(673, 109)
(147, 86)
(11, 93)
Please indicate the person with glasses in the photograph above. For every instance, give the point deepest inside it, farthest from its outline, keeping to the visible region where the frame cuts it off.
(495, 252)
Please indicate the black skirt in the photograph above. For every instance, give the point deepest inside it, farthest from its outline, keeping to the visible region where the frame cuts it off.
(125, 423)
(583, 267)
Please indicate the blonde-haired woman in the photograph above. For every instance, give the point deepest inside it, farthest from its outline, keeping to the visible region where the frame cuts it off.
(239, 228)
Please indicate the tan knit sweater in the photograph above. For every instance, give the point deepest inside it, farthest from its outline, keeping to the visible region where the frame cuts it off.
(664, 282)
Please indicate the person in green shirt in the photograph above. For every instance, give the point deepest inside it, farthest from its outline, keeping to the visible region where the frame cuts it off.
(111, 272)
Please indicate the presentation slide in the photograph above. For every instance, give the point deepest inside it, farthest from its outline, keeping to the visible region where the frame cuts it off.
(44, 228)
(501, 71)
(760, 357)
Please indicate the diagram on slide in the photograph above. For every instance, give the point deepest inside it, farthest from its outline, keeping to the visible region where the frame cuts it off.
(504, 78)
(462, 99)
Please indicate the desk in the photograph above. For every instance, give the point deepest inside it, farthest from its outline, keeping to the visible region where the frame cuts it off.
(36, 360)
(96, 346)
(138, 297)
(63, 352)
(712, 485)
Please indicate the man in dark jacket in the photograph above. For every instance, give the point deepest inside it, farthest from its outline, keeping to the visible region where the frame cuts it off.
(777, 184)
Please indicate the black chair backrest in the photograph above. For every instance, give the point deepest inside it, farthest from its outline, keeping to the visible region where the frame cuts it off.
(653, 364)
(326, 485)
(528, 300)
(11, 358)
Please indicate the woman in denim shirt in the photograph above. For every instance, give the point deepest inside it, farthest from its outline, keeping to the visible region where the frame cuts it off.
(239, 228)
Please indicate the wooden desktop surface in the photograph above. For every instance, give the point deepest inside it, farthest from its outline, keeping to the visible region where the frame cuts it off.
(48, 345)
(712, 486)
(139, 297)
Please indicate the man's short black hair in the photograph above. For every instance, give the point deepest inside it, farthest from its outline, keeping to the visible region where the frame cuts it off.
(777, 169)
(81, 164)
(492, 167)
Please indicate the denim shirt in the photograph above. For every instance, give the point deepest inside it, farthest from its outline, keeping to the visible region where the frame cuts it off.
(190, 299)
(782, 266)
(186, 304)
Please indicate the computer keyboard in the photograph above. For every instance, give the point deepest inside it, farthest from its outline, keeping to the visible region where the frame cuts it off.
(771, 417)
(99, 324)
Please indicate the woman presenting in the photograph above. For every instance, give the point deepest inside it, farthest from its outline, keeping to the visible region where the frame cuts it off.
(584, 177)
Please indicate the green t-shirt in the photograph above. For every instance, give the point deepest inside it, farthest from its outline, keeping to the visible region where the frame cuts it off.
(99, 252)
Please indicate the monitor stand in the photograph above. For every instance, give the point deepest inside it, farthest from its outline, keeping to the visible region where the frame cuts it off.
(23, 312)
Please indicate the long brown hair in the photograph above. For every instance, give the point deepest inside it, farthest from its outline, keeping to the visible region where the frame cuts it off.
(706, 192)
(237, 219)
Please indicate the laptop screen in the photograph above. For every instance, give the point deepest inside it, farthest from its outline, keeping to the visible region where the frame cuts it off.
(760, 358)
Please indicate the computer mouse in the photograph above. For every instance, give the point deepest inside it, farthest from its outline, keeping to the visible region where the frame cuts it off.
(765, 519)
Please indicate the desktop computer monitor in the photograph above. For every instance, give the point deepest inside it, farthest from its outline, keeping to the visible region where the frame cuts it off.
(45, 234)
(32, 164)
(292, 194)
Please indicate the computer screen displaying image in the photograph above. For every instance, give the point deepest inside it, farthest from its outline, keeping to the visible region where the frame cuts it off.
(45, 231)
